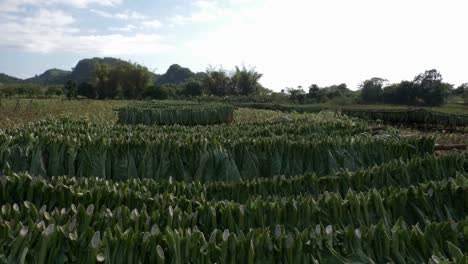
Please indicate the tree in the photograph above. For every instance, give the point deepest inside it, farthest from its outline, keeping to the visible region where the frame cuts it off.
(314, 91)
(70, 89)
(298, 95)
(87, 90)
(124, 80)
(465, 98)
(217, 82)
(245, 81)
(161, 92)
(430, 88)
(461, 90)
(400, 93)
(136, 79)
(193, 88)
(53, 91)
(371, 90)
(101, 80)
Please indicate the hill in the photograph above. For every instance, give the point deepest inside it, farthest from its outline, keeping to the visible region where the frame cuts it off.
(175, 75)
(6, 79)
(84, 69)
(50, 77)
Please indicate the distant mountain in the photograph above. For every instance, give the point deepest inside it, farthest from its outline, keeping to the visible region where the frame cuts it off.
(50, 77)
(6, 79)
(175, 75)
(84, 69)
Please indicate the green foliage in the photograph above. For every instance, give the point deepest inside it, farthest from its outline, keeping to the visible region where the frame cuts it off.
(87, 90)
(175, 75)
(217, 82)
(29, 90)
(371, 90)
(85, 69)
(170, 114)
(417, 116)
(426, 89)
(6, 79)
(297, 188)
(122, 81)
(146, 221)
(161, 92)
(461, 90)
(246, 81)
(296, 94)
(54, 91)
(202, 152)
(193, 88)
(433, 91)
(70, 89)
(50, 77)
(337, 93)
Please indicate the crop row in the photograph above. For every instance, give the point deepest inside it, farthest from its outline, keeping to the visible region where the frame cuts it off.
(396, 173)
(417, 116)
(397, 116)
(204, 160)
(423, 203)
(84, 130)
(399, 243)
(169, 114)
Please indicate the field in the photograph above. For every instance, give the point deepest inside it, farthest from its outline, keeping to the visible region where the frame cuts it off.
(79, 185)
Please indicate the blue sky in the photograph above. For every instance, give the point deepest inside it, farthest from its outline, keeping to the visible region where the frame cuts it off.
(295, 42)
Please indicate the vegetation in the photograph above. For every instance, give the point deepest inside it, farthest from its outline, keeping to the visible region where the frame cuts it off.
(200, 181)
(426, 89)
(175, 75)
(55, 217)
(419, 116)
(50, 77)
(28, 90)
(6, 79)
(15, 112)
(111, 78)
(268, 187)
(80, 148)
(175, 113)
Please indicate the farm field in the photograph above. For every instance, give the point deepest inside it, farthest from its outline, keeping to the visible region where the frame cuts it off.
(81, 183)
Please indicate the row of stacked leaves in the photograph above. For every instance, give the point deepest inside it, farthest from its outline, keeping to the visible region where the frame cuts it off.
(162, 113)
(409, 212)
(391, 116)
(415, 116)
(224, 152)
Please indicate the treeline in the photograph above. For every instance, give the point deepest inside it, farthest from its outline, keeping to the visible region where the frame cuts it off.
(29, 90)
(117, 79)
(132, 81)
(426, 89)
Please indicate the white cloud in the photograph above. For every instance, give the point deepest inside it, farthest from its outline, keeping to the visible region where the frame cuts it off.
(116, 44)
(300, 42)
(205, 11)
(126, 28)
(152, 23)
(52, 31)
(127, 15)
(18, 5)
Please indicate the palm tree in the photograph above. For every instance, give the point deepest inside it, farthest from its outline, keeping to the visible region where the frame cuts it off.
(216, 82)
(246, 81)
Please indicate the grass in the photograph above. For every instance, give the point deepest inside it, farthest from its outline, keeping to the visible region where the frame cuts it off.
(15, 112)
(449, 108)
(18, 111)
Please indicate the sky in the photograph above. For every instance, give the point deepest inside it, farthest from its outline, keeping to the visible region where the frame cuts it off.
(294, 42)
